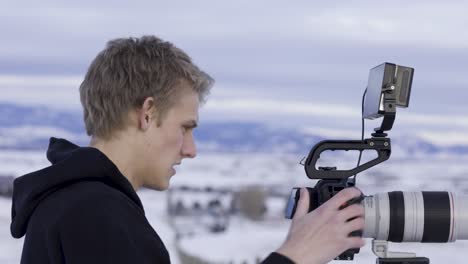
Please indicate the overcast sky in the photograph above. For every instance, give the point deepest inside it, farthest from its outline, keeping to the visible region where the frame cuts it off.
(317, 55)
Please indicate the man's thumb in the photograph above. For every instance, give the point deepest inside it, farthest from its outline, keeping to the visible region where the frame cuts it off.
(303, 203)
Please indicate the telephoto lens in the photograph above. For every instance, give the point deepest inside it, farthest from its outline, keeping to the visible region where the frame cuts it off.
(416, 217)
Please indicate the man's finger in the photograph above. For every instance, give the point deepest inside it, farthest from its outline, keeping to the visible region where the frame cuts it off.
(342, 197)
(303, 204)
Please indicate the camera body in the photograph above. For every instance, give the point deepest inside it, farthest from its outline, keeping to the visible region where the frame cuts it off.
(318, 195)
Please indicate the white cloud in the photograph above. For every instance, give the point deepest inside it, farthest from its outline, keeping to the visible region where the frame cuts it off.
(448, 122)
(434, 24)
(337, 114)
(274, 107)
(12, 136)
(446, 138)
(53, 91)
(85, 24)
(331, 133)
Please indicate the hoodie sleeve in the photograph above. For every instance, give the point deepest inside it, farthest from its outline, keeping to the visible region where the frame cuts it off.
(276, 258)
(98, 232)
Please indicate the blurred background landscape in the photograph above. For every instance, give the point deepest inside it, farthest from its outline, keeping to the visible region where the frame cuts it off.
(288, 74)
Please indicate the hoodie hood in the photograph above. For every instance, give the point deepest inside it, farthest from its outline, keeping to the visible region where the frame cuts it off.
(70, 164)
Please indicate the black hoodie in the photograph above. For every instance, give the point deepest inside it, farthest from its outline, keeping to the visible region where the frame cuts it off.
(81, 209)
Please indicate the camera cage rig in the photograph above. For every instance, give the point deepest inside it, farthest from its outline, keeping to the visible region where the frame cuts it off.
(396, 80)
(391, 88)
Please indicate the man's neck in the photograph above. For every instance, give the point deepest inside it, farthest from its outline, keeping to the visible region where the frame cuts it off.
(119, 151)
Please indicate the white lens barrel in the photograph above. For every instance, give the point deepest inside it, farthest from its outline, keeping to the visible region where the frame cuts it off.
(460, 217)
(416, 217)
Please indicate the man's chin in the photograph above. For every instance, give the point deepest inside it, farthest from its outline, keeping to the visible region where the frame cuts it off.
(162, 186)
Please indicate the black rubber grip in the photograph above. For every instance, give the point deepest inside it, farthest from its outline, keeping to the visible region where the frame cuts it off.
(436, 216)
(397, 216)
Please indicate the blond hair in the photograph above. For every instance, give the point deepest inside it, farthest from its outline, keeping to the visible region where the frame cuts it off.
(128, 71)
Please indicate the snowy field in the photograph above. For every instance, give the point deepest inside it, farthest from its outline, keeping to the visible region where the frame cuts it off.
(248, 240)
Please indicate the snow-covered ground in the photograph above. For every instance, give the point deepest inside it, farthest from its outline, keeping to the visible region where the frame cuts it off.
(10, 248)
(249, 240)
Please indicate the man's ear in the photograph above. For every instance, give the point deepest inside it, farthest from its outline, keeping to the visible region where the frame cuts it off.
(147, 113)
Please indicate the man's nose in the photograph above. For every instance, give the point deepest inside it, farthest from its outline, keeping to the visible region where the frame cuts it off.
(189, 150)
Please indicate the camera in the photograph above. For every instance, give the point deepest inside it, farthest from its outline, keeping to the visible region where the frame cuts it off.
(394, 216)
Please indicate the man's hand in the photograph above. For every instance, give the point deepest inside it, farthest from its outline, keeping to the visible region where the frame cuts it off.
(321, 235)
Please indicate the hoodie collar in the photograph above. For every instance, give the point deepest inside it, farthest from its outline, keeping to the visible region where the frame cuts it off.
(70, 164)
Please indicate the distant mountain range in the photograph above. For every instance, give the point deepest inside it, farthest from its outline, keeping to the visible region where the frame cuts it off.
(30, 127)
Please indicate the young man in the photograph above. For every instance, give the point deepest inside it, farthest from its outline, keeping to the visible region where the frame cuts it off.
(141, 99)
